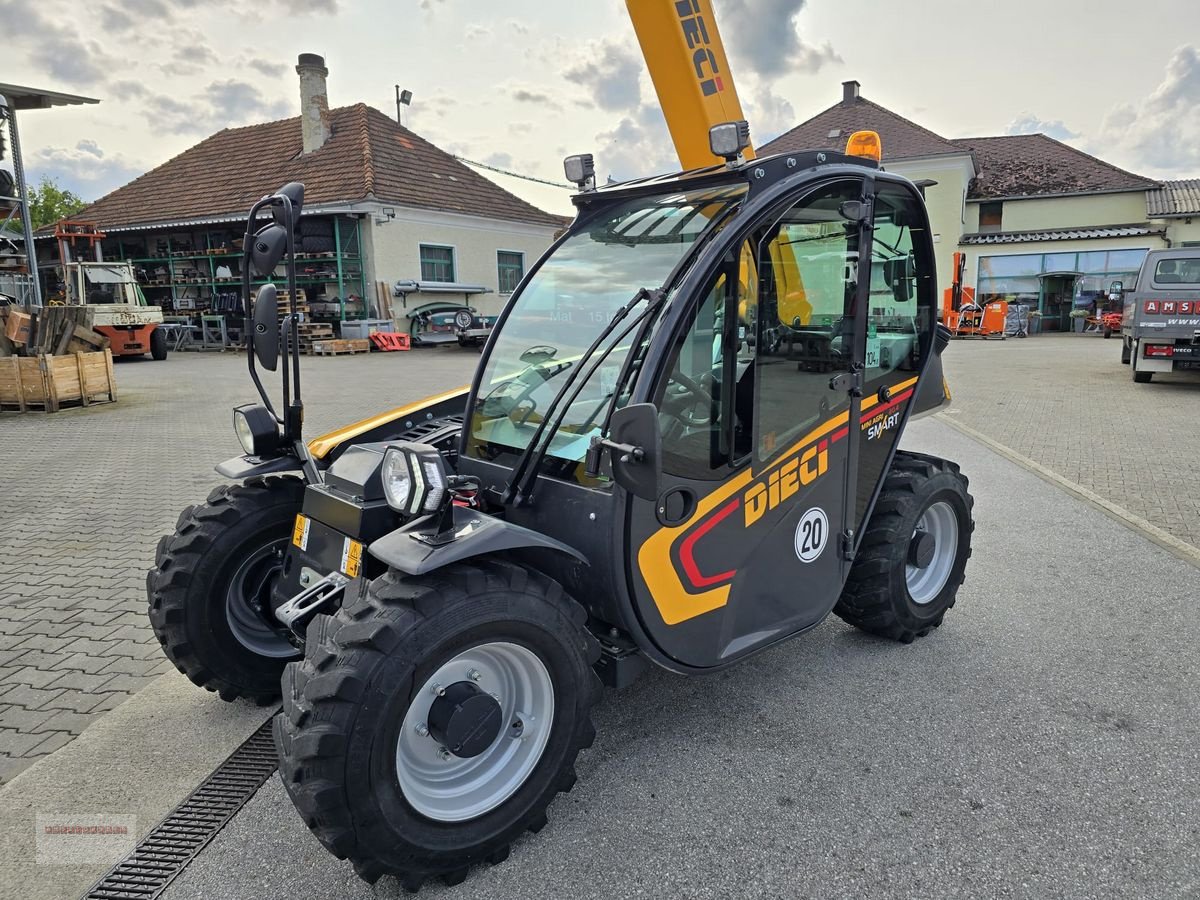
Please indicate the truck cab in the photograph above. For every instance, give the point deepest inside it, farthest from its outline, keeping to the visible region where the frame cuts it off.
(1160, 324)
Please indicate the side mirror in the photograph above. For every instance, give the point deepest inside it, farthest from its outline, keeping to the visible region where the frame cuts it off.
(265, 327)
(267, 249)
(1115, 290)
(294, 191)
(636, 447)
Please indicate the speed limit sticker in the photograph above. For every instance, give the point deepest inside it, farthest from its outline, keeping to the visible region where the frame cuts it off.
(812, 534)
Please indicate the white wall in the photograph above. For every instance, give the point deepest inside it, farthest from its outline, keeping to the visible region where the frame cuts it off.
(945, 202)
(1040, 213)
(1180, 231)
(393, 250)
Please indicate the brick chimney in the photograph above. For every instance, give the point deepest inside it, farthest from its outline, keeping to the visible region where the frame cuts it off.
(314, 101)
(850, 92)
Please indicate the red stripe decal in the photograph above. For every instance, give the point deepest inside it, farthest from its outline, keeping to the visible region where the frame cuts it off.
(838, 435)
(899, 398)
(687, 558)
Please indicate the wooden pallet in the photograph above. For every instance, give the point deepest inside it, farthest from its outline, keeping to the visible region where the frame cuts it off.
(340, 347)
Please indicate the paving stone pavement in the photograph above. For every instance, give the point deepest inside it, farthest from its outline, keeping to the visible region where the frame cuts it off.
(87, 493)
(1066, 402)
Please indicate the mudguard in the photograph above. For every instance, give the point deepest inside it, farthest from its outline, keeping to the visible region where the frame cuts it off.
(475, 534)
(242, 467)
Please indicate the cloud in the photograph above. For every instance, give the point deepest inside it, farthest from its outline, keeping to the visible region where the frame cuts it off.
(55, 48)
(1161, 132)
(769, 114)
(524, 95)
(610, 73)
(638, 145)
(763, 38)
(268, 68)
(1028, 123)
(222, 104)
(476, 32)
(85, 170)
(499, 160)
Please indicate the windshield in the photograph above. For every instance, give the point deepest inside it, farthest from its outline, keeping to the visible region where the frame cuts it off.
(565, 306)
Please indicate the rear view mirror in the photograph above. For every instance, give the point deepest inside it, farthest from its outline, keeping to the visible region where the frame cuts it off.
(636, 447)
(267, 249)
(294, 191)
(265, 328)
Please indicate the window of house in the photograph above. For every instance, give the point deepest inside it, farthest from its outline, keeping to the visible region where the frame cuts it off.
(990, 215)
(510, 269)
(437, 263)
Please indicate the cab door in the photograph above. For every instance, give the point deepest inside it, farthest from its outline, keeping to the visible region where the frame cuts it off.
(747, 540)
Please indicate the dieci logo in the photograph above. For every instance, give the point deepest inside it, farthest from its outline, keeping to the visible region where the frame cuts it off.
(695, 32)
(785, 480)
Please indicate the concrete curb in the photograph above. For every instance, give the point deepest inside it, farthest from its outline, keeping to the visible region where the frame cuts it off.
(1152, 532)
(133, 765)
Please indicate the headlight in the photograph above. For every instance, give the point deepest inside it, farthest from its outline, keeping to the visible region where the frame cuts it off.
(414, 478)
(256, 429)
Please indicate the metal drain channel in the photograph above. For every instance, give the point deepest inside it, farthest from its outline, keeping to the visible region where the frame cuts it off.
(170, 846)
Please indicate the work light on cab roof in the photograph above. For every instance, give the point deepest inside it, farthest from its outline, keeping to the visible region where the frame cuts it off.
(580, 170)
(728, 139)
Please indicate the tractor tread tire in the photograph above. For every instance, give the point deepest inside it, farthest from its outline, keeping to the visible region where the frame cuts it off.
(176, 558)
(315, 729)
(869, 600)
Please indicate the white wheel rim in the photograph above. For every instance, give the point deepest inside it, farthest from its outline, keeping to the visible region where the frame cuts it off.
(454, 789)
(940, 523)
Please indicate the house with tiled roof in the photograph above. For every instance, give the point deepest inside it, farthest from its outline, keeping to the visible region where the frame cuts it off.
(1040, 222)
(382, 207)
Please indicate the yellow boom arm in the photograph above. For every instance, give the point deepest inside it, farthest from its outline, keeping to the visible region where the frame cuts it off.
(691, 75)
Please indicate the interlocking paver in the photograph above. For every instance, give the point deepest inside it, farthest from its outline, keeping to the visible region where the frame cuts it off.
(76, 545)
(1066, 402)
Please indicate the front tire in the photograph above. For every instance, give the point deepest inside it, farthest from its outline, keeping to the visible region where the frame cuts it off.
(211, 582)
(360, 751)
(914, 550)
(158, 344)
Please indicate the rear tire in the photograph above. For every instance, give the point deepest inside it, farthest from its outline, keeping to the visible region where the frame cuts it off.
(1107, 333)
(888, 593)
(211, 577)
(1124, 352)
(352, 752)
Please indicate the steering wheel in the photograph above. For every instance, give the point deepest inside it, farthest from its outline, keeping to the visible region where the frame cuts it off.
(678, 404)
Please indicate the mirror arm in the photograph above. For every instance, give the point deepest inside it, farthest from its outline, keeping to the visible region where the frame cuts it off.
(249, 332)
(597, 446)
(293, 416)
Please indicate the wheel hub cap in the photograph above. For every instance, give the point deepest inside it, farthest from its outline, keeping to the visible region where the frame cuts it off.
(920, 549)
(932, 551)
(465, 720)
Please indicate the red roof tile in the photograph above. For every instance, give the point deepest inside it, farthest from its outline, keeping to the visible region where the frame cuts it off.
(902, 139)
(1021, 165)
(368, 157)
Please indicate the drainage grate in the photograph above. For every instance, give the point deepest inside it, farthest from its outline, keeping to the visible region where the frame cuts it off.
(171, 845)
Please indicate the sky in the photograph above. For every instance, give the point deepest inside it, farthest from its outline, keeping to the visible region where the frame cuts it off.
(522, 84)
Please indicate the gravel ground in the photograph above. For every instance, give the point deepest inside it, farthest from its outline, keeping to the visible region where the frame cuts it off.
(1042, 743)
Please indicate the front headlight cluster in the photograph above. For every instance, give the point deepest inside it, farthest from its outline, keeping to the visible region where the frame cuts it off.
(256, 429)
(414, 478)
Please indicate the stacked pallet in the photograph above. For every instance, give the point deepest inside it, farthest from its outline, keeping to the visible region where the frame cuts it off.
(340, 347)
(307, 331)
(49, 359)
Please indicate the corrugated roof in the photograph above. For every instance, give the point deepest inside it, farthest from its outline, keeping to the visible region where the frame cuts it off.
(368, 157)
(1059, 234)
(902, 138)
(1174, 198)
(1025, 165)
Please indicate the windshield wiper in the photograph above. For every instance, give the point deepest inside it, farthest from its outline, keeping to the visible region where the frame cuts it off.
(526, 468)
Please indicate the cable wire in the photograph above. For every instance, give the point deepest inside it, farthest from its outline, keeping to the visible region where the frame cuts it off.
(557, 184)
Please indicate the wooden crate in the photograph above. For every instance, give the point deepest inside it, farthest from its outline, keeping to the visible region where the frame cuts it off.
(50, 382)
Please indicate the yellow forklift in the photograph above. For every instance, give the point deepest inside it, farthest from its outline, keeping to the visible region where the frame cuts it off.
(640, 474)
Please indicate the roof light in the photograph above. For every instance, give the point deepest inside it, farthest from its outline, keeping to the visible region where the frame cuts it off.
(729, 139)
(581, 171)
(866, 144)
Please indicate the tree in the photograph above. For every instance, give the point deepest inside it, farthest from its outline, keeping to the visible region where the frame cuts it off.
(48, 203)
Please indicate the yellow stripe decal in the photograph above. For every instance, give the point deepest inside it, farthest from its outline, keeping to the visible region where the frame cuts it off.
(320, 447)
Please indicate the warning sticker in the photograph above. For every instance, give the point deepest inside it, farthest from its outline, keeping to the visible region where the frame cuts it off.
(300, 532)
(351, 557)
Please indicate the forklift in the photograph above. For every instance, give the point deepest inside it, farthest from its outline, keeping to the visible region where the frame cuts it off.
(640, 474)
